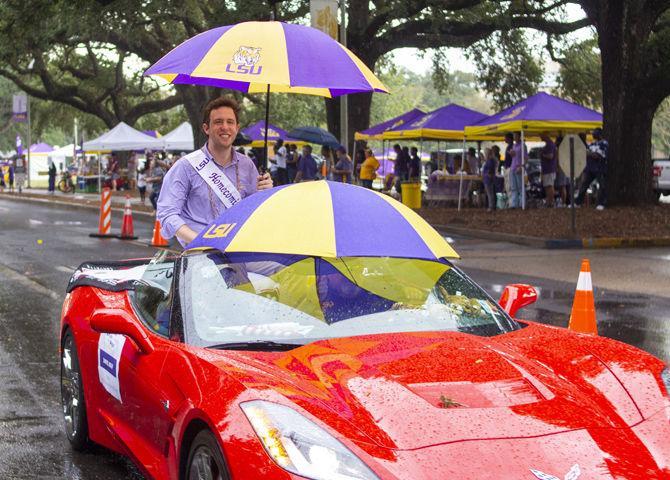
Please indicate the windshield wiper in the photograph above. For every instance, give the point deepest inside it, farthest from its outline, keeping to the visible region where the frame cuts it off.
(258, 345)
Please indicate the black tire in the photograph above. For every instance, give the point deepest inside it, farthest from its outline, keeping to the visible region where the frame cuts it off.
(72, 395)
(205, 460)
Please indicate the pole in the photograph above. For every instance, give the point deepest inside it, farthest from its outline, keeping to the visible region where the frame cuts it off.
(74, 149)
(460, 182)
(344, 107)
(29, 166)
(267, 126)
(523, 172)
(572, 185)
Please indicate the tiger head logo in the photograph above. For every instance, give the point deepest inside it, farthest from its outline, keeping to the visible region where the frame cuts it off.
(248, 56)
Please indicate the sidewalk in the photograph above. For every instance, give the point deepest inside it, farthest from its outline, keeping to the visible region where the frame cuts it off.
(82, 200)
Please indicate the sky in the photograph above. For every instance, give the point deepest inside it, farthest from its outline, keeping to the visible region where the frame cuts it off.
(411, 58)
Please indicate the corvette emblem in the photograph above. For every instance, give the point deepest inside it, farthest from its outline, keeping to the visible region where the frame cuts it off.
(573, 474)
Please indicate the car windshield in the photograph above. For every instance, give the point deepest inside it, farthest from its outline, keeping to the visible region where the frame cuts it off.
(296, 300)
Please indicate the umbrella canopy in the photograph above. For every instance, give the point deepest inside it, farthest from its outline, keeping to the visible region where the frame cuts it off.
(123, 137)
(334, 289)
(257, 56)
(323, 219)
(375, 132)
(181, 138)
(445, 123)
(314, 135)
(539, 113)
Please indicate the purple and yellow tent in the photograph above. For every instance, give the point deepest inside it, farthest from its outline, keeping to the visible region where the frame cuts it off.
(445, 123)
(375, 132)
(539, 113)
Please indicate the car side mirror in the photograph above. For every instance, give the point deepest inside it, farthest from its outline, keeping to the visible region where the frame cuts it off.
(516, 296)
(114, 320)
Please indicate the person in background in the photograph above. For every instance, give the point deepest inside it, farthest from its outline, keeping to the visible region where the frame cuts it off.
(344, 167)
(132, 171)
(307, 167)
(155, 178)
(52, 177)
(142, 182)
(507, 163)
(473, 161)
(414, 164)
(328, 162)
(359, 158)
(369, 169)
(459, 165)
(596, 169)
(519, 157)
(400, 167)
(489, 170)
(292, 162)
(548, 162)
(10, 179)
(280, 160)
(113, 170)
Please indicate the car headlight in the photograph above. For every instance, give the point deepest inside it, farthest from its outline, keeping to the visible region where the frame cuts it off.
(665, 377)
(300, 446)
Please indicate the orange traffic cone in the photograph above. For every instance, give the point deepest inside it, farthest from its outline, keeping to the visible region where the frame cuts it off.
(158, 240)
(127, 232)
(583, 315)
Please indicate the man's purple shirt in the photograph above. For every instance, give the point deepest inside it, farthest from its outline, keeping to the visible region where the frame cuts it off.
(186, 199)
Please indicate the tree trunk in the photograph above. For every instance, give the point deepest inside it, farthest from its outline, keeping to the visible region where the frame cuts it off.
(628, 111)
(194, 100)
(359, 116)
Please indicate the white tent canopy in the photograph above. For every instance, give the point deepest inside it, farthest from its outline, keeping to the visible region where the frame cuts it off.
(181, 138)
(123, 137)
(62, 152)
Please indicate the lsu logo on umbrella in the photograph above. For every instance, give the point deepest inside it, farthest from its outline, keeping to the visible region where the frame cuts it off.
(245, 60)
(219, 231)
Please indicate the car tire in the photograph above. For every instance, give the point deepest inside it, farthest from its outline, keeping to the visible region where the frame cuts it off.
(72, 395)
(205, 460)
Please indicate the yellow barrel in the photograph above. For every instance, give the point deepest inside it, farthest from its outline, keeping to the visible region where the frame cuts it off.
(411, 194)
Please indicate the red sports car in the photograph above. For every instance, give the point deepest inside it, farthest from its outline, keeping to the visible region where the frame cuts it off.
(210, 365)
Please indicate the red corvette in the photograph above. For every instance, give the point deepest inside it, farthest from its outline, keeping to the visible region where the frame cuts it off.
(264, 366)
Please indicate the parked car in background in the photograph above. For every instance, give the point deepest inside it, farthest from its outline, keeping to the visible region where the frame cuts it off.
(661, 179)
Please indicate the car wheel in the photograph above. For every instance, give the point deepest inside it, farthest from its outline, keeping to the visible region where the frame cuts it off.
(72, 395)
(205, 461)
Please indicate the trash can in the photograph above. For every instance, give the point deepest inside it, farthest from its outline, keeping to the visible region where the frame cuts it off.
(411, 194)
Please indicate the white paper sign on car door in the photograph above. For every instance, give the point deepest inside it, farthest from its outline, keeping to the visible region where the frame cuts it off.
(110, 346)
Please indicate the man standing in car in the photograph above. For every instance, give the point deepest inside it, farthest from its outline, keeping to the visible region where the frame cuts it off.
(207, 181)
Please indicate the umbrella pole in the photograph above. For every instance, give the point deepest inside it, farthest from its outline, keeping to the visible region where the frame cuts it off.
(267, 126)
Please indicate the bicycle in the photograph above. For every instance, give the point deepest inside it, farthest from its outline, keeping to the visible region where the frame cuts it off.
(66, 185)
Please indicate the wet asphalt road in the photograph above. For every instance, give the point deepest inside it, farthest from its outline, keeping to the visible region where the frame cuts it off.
(40, 245)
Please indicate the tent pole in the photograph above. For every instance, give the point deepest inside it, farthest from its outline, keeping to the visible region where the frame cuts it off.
(460, 182)
(523, 172)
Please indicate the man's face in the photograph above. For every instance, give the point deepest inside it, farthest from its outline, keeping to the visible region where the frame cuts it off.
(222, 128)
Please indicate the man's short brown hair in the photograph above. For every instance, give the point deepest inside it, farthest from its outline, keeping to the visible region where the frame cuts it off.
(218, 103)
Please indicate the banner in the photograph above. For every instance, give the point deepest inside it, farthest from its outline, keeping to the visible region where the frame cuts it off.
(20, 107)
(324, 16)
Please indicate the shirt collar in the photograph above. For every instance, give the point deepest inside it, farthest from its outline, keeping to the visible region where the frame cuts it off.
(234, 158)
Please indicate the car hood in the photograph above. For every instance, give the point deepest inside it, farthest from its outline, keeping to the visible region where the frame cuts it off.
(407, 391)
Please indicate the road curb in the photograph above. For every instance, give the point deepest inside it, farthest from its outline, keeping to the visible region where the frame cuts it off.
(557, 243)
(44, 200)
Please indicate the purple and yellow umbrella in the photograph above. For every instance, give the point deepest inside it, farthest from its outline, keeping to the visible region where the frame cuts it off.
(330, 225)
(257, 57)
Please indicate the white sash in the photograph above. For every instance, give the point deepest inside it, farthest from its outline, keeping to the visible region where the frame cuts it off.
(214, 178)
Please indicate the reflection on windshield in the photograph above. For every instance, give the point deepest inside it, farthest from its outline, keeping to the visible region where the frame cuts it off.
(296, 299)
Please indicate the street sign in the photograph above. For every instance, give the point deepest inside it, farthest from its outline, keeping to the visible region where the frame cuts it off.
(564, 154)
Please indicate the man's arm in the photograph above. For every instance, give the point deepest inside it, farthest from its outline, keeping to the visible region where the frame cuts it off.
(186, 234)
(173, 195)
